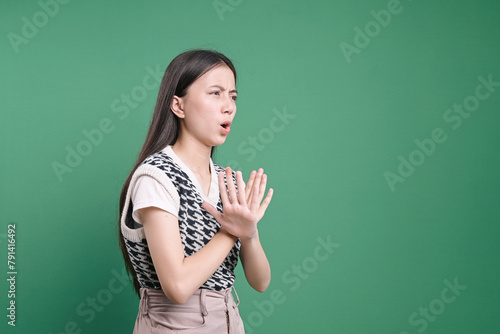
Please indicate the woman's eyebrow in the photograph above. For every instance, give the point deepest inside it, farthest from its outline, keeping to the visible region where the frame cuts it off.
(223, 89)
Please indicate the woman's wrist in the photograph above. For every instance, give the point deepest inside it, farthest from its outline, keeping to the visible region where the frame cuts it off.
(227, 234)
(250, 239)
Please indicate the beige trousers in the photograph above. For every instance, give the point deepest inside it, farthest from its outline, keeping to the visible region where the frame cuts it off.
(206, 311)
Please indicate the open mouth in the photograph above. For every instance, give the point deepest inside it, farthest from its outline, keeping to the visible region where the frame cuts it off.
(226, 126)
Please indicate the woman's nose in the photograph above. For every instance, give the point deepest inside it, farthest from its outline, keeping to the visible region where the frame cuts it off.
(229, 105)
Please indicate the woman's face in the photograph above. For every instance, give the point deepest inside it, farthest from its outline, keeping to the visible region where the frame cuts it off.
(209, 106)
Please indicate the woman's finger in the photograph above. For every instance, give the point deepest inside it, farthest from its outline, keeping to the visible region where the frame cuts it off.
(241, 188)
(254, 204)
(230, 186)
(262, 188)
(249, 197)
(265, 203)
(213, 211)
(222, 190)
(249, 186)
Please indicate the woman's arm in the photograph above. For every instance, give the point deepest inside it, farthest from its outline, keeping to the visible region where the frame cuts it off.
(255, 263)
(181, 276)
(242, 211)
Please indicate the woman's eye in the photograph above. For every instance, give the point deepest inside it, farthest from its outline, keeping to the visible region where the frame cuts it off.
(234, 97)
(215, 93)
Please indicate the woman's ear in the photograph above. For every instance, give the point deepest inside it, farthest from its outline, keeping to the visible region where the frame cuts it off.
(177, 107)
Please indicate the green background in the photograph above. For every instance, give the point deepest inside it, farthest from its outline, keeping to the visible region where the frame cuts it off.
(350, 118)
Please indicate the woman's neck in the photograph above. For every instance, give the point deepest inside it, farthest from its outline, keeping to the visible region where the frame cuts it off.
(193, 154)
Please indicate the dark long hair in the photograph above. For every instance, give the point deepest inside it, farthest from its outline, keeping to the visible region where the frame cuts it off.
(164, 128)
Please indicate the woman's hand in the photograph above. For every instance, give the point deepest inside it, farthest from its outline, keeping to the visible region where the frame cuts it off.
(242, 209)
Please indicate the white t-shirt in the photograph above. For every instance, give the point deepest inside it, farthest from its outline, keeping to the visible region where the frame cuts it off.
(149, 192)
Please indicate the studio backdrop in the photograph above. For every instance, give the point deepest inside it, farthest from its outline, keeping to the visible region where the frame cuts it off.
(376, 122)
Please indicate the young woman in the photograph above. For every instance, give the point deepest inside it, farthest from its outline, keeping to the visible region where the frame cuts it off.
(184, 219)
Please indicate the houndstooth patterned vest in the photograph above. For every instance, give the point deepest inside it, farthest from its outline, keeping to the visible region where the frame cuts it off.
(197, 226)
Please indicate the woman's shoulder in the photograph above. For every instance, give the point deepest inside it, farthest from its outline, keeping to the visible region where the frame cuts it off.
(163, 161)
(158, 165)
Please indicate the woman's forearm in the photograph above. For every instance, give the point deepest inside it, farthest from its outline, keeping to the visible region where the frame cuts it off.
(255, 263)
(200, 266)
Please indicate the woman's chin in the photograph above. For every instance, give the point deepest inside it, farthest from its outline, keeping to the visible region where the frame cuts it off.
(218, 144)
(219, 141)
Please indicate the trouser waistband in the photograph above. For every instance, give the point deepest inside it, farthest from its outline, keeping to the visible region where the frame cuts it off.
(196, 303)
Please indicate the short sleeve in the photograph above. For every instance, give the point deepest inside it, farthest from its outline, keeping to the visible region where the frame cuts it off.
(148, 192)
